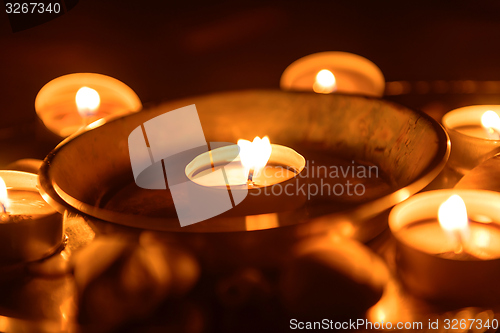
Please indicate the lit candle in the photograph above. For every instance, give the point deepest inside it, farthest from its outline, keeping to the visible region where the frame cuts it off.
(258, 164)
(474, 133)
(69, 102)
(30, 229)
(87, 102)
(328, 72)
(325, 82)
(449, 245)
(269, 173)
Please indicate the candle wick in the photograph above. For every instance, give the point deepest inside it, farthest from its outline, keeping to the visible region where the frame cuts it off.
(250, 177)
(4, 216)
(85, 119)
(460, 248)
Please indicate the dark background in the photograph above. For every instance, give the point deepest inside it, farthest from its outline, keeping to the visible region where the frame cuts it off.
(167, 50)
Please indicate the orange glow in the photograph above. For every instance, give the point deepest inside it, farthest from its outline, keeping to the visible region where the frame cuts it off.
(452, 214)
(4, 200)
(325, 82)
(491, 122)
(481, 238)
(87, 101)
(255, 155)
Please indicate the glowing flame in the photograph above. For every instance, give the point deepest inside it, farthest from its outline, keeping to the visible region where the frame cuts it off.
(325, 82)
(4, 200)
(452, 214)
(87, 101)
(491, 122)
(255, 155)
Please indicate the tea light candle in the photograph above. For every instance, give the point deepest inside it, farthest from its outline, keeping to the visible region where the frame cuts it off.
(70, 102)
(30, 229)
(474, 134)
(454, 258)
(328, 72)
(268, 172)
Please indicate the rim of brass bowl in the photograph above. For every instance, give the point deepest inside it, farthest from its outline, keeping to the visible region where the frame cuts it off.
(353, 223)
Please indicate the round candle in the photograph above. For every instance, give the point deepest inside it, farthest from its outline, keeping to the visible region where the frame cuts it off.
(30, 229)
(259, 168)
(278, 164)
(99, 96)
(471, 141)
(437, 262)
(327, 72)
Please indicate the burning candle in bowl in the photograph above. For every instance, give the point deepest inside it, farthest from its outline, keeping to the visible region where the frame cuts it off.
(30, 229)
(262, 174)
(449, 245)
(328, 72)
(259, 163)
(474, 134)
(70, 102)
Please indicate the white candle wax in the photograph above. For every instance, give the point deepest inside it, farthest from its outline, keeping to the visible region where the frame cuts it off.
(24, 204)
(30, 229)
(428, 236)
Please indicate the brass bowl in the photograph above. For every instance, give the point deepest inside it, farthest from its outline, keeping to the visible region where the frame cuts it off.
(90, 170)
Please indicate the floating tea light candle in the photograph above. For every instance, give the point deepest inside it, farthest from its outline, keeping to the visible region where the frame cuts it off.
(69, 102)
(491, 124)
(328, 72)
(29, 228)
(474, 133)
(269, 173)
(448, 245)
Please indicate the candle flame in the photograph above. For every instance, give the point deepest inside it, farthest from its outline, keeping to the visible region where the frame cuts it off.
(87, 101)
(4, 200)
(452, 214)
(255, 155)
(491, 122)
(325, 82)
